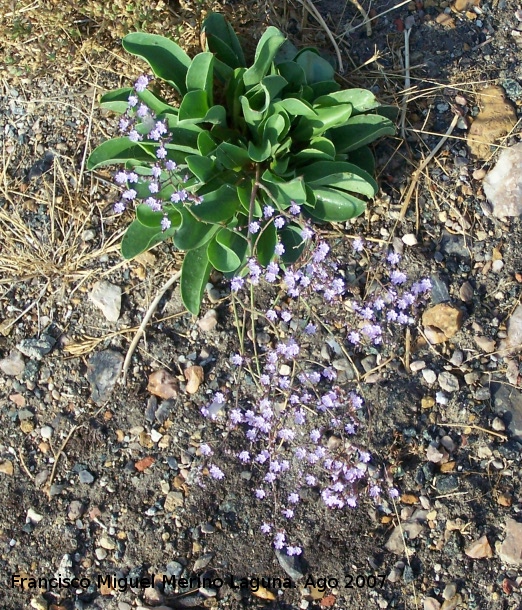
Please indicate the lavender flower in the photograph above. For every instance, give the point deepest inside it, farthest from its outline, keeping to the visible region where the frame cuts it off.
(216, 473)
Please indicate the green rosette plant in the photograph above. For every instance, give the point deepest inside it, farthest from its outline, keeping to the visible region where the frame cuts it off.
(248, 158)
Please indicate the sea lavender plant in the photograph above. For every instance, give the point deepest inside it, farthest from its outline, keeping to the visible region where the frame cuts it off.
(300, 424)
(223, 168)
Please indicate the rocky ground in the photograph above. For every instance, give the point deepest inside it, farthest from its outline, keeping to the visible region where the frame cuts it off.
(111, 483)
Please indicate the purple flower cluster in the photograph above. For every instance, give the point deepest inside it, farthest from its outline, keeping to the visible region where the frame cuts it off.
(166, 187)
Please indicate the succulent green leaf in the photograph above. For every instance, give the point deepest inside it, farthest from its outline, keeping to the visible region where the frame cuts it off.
(320, 149)
(206, 143)
(244, 192)
(266, 50)
(333, 205)
(295, 107)
(217, 28)
(316, 68)
(362, 100)
(218, 206)
(117, 100)
(167, 60)
(327, 118)
(195, 271)
(324, 88)
(204, 168)
(192, 233)
(274, 84)
(151, 219)
(194, 106)
(260, 152)
(286, 53)
(119, 150)
(293, 73)
(184, 138)
(363, 158)
(226, 250)
(200, 75)
(293, 242)
(232, 156)
(284, 191)
(265, 244)
(361, 130)
(138, 238)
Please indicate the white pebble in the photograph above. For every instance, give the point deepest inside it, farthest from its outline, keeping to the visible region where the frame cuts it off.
(409, 239)
(429, 376)
(46, 432)
(417, 365)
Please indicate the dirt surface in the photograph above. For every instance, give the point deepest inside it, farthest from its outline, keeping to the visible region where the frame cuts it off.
(117, 485)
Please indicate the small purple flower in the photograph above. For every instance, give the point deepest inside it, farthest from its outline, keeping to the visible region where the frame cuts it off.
(306, 233)
(124, 124)
(264, 379)
(161, 153)
(310, 329)
(288, 513)
(142, 83)
(236, 359)
(119, 207)
(120, 177)
(357, 244)
(170, 166)
(374, 491)
(260, 494)
(286, 316)
(397, 277)
(254, 227)
(244, 457)
(132, 101)
(286, 434)
(235, 416)
(165, 223)
(393, 493)
(153, 187)
(315, 435)
(205, 449)
(270, 477)
(279, 540)
(134, 136)
(268, 211)
(153, 204)
(364, 456)
(271, 315)
(279, 222)
(129, 194)
(356, 400)
(279, 249)
(216, 473)
(295, 209)
(266, 528)
(236, 283)
(293, 498)
(310, 480)
(142, 111)
(393, 258)
(293, 550)
(132, 177)
(354, 337)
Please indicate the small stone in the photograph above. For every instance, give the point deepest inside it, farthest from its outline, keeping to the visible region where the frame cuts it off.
(285, 370)
(427, 402)
(144, 463)
(194, 376)
(209, 321)
(505, 499)
(430, 603)
(447, 484)
(106, 542)
(46, 432)
(457, 358)
(103, 370)
(100, 553)
(429, 376)
(394, 575)
(291, 564)
(26, 426)
(208, 528)
(466, 292)
(162, 384)
(6, 467)
(409, 530)
(173, 500)
(444, 319)
(75, 510)
(33, 517)
(514, 329)
(450, 590)
(39, 603)
(485, 344)
(498, 425)
(13, 365)
(85, 477)
(448, 382)
(203, 561)
(451, 604)
(510, 550)
(409, 239)
(503, 185)
(448, 443)
(433, 454)
(417, 365)
(36, 349)
(480, 549)
(497, 266)
(214, 296)
(107, 297)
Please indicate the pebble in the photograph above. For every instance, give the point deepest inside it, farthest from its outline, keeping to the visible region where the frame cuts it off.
(514, 329)
(429, 376)
(13, 365)
(466, 292)
(103, 370)
(447, 484)
(36, 349)
(85, 477)
(448, 382)
(155, 436)
(409, 239)
(46, 432)
(33, 516)
(411, 529)
(39, 603)
(485, 344)
(6, 467)
(208, 528)
(510, 551)
(430, 603)
(162, 384)
(209, 321)
(451, 604)
(457, 358)
(75, 510)
(507, 399)
(291, 564)
(498, 425)
(203, 561)
(194, 376)
(417, 365)
(214, 295)
(502, 184)
(433, 454)
(107, 297)
(173, 500)
(444, 320)
(100, 553)
(450, 590)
